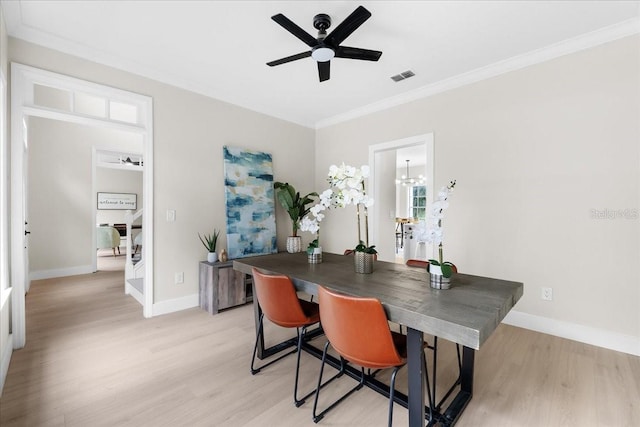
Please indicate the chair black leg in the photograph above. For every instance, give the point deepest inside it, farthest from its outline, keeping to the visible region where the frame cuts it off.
(300, 401)
(255, 347)
(391, 394)
(317, 417)
(260, 333)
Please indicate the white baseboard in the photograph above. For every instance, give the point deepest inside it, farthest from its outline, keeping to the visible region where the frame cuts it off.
(172, 305)
(588, 335)
(60, 272)
(6, 359)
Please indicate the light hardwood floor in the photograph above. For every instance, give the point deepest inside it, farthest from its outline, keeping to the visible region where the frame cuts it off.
(92, 360)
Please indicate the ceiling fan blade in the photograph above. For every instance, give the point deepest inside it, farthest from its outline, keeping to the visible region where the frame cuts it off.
(324, 70)
(290, 26)
(357, 53)
(348, 26)
(289, 59)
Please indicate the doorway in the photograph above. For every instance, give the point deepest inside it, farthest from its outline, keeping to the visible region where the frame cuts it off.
(46, 95)
(387, 161)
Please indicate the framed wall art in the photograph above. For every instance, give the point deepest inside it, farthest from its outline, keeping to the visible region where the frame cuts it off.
(117, 201)
(251, 223)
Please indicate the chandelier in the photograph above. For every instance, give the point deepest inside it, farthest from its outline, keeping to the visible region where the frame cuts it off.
(406, 180)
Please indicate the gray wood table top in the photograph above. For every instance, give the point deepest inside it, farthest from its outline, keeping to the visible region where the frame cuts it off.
(467, 313)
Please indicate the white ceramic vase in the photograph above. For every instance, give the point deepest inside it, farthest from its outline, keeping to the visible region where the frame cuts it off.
(294, 244)
(212, 257)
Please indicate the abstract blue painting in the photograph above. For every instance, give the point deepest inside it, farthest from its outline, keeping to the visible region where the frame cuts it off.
(248, 189)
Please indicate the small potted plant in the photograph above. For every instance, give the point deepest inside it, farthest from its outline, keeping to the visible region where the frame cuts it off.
(314, 252)
(210, 242)
(296, 207)
(364, 257)
(440, 271)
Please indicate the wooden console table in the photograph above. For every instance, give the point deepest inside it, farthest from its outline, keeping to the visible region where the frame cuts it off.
(222, 287)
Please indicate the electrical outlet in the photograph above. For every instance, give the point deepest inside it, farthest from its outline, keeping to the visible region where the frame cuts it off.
(171, 215)
(179, 278)
(547, 294)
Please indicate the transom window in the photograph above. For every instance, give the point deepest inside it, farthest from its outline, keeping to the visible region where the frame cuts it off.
(85, 103)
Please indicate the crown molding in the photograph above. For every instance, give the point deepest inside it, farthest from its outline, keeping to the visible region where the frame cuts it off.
(566, 47)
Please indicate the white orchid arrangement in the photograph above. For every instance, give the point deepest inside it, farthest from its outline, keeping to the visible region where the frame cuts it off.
(434, 232)
(346, 187)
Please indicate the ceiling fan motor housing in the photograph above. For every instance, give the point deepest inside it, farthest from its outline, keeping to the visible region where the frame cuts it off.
(322, 22)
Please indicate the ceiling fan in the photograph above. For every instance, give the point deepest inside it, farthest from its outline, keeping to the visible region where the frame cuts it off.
(122, 159)
(326, 47)
(128, 161)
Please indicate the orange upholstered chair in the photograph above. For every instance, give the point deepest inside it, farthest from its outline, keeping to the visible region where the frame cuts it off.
(358, 330)
(280, 304)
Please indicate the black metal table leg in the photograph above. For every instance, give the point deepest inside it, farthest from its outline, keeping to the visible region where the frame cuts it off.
(416, 377)
(463, 397)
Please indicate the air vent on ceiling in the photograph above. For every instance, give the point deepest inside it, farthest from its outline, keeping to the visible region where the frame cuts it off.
(402, 76)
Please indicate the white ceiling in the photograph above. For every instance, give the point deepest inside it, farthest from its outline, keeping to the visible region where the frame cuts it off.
(219, 48)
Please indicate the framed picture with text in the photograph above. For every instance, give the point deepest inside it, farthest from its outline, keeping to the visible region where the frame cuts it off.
(117, 201)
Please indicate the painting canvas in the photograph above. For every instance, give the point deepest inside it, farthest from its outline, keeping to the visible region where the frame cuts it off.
(251, 223)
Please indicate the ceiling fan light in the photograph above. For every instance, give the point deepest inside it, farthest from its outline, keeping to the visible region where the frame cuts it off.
(323, 54)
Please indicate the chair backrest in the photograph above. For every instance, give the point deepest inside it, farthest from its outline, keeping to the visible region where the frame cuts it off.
(107, 237)
(278, 300)
(358, 329)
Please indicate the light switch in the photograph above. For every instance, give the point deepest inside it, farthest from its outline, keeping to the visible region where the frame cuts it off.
(171, 215)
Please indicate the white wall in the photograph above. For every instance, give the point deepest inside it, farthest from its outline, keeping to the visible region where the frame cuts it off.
(60, 198)
(534, 152)
(189, 133)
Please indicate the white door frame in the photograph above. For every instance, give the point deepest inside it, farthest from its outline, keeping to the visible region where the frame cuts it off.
(23, 81)
(427, 140)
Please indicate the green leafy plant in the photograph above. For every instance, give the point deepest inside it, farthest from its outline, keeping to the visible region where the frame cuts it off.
(366, 249)
(313, 245)
(210, 240)
(293, 203)
(446, 267)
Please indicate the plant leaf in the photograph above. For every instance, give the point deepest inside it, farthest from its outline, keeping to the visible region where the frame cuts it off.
(447, 271)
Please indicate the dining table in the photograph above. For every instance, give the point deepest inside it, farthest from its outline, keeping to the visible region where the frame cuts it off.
(467, 314)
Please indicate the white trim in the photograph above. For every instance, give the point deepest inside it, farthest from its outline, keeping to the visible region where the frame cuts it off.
(131, 290)
(147, 213)
(566, 47)
(6, 360)
(426, 139)
(19, 90)
(23, 80)
(585, 334)
(80, 119)
(61, 272)
(177, 304)
(4, 187)
(5, 295)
